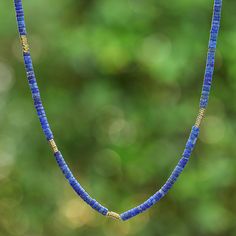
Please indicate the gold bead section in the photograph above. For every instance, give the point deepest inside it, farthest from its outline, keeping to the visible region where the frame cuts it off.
(113, 215)
(200, 117)
(24, 43)
(53, 145)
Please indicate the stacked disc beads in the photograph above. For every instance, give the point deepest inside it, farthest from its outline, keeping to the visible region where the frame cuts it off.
(58, 156)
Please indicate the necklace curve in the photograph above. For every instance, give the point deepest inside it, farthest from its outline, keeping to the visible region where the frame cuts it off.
(215, 25)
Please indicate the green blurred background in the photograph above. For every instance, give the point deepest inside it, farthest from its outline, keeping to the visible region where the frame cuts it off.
(120, 81)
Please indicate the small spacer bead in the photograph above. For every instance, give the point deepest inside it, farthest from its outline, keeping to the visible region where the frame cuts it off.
(113, 215)
(200, 117)
(53, 145)
(24, 43)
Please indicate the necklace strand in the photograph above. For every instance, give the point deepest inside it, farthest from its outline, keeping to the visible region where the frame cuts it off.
(58, 156)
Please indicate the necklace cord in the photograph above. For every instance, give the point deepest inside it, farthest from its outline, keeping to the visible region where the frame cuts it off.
(58, 156)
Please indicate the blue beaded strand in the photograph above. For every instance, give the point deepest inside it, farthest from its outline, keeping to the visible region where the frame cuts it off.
(169, 183)
(189, 145)
(42, 115)
(215, 26)
(76, 186)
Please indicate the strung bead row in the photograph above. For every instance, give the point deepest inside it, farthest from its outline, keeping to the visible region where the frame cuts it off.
(58, 156)
(169, 183)
(76, 186)
(211, 54)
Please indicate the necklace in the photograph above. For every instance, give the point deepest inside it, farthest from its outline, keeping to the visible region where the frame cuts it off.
(189, 145)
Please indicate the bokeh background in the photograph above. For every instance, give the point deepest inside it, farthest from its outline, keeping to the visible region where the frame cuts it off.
(120, 81)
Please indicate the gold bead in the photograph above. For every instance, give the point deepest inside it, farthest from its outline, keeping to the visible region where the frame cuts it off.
(200, 117)
(113, 215)
(24, 43)
(53, 145)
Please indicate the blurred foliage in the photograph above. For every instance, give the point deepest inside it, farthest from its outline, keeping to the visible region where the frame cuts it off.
(121, 82)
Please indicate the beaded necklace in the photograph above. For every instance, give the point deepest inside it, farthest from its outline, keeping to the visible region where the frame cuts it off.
(190, 142)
